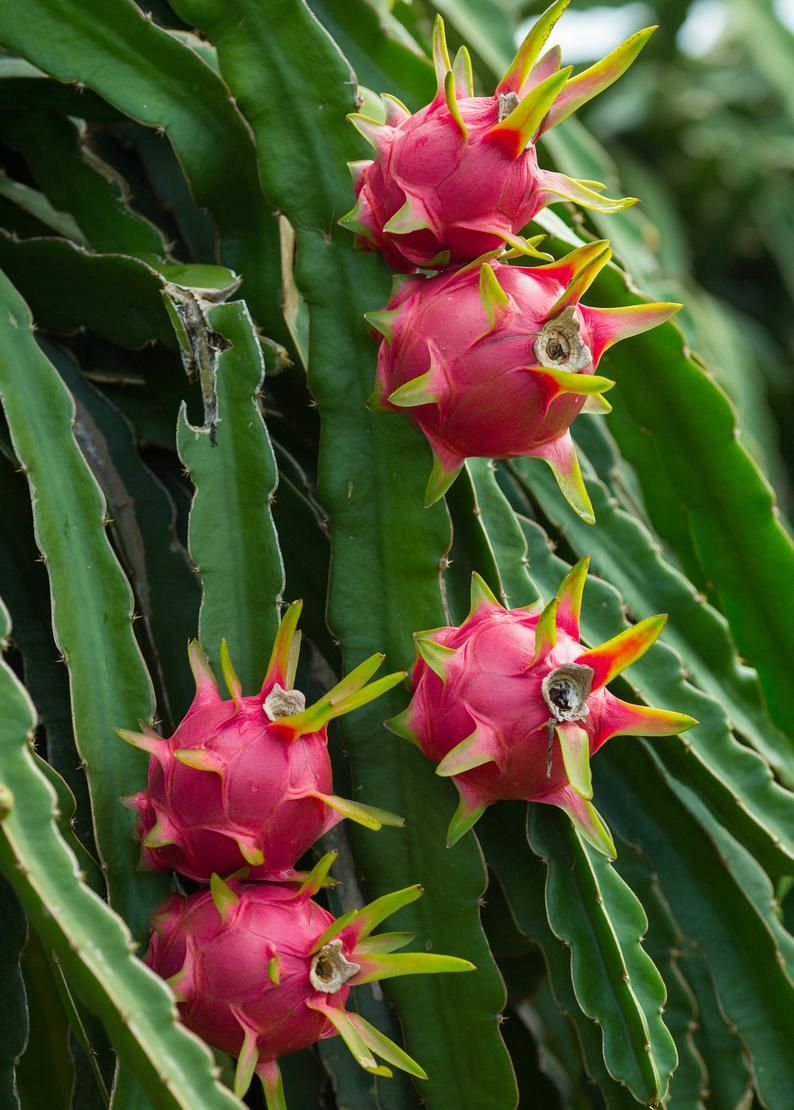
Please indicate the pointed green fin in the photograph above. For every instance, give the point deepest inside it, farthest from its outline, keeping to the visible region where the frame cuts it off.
(233, 684)
(445, 471)
(160, 835)
(585, 818)
(400, 726)
(270, 1075)
(441, 63)
(396, 111)
(357, 170)
(223, 897)
(429, 388)
(452, 104)
(558, 186)
(546, 631)
(315, 880)
(474, 751)
(481, 596)
(370, 916)
(280, 663)
(369, 816)
(371, 129)
(353, 221)
(410, 217)
(569, 596)
(585, 263)
(464, 78)
(199, 759)
(625, 719)
(183, 983)
(470, 809)
(249, 850)
(382, 1046)
(384, 942)
(590, 82)
(561, 457)
(246, 1062)
(333, 930)
(395, 964)
(518, 246)
(612, 657)
(495, 301)
(206, 686)
(349, 694)
(530, 48)
(596, 405)
(153, 745)
(437, 656)
(575, 749)
(383, 321)
(340, 1020)
(579, 385)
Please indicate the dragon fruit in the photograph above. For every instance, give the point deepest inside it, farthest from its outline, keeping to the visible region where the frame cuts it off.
(247, 781)
(495, 360)
(461, 177)
(262, 970)
(512, 705)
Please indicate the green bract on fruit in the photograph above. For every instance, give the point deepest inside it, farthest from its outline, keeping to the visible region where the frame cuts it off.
(512, 705)
(246, 782)
(495, 360)
(262, 970)
(461, 177)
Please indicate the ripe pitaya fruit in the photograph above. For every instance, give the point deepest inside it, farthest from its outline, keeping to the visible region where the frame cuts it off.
(247, 782)
(512, 705)
(262, 970)
(461, 177)
(494, 360)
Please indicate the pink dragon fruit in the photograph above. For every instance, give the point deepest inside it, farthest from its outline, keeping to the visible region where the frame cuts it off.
(494, 360)
(461, 177)
(262, 970)
(247, 781)
(512, 705)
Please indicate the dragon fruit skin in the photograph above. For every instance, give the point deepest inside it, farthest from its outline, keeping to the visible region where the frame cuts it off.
(247, 782)
(260, 970)
(495, 360)
(461, 176)
(227, 966)
(511, 705)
